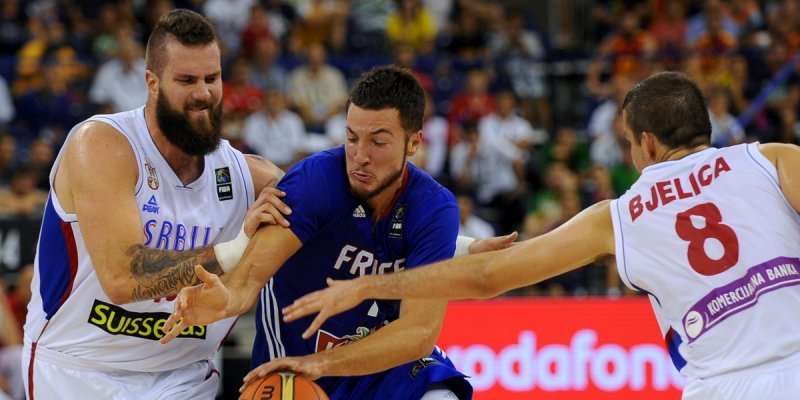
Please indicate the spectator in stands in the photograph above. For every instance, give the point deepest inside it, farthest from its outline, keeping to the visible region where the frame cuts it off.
(493, 169)
(668, 29)
(104, 41)
(8, 157)
(322, 22)
(604, 147)
(316, 89)
(242, 97)
(367, 25)
(629, 51)
(522, 54)
(118, 84)
(22, 197)
(725, 129)
(411, 24)
(256, 30)
(713, 46)
(434, 147)
(51, 110)
(469, 223)
(14, 32)
(712, 10)
(406, 57)
(282, 18)
(475, 101)
(41, 156)
(265, 72)
(469, 40)
(229, 18)
(545, 206)
(275, 133)
(597, 186)
(505, 123)
(567, 148)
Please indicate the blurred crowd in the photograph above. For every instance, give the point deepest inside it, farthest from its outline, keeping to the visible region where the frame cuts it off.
(522, 119)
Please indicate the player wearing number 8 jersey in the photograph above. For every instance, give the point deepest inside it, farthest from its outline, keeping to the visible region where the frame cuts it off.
(711, 235)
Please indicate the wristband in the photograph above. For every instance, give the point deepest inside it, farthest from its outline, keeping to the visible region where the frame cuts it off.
(462, 245)
(228, 253)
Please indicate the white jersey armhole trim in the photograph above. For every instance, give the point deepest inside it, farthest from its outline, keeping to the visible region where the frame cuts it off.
(619, 245)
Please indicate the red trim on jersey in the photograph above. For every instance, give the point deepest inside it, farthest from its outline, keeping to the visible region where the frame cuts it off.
(30, 371)
(228, 333)
(72, 255)
(397, 194)
(33, 357)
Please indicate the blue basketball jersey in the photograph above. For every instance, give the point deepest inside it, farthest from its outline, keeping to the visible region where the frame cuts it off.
(341, 242)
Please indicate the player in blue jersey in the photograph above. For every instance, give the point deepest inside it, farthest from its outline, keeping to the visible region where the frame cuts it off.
(357, 210)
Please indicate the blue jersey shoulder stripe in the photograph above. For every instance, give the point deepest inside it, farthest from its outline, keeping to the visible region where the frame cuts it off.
(57, 262)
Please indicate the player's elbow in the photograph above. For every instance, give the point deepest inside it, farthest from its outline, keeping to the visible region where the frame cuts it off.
(489, 282)
(426, 341)
(115, 289)
(117, 294)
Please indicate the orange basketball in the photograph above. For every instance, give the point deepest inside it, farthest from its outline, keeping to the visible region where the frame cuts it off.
(283, 386)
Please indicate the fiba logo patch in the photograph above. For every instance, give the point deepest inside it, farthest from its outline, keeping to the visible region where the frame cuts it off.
(396, 228)
(152, 176)
(224, 186)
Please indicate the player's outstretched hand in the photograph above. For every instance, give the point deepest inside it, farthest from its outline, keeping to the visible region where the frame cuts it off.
(338, 297)
(267, 209)
(493, 243)
(305, 366)
(197, 305)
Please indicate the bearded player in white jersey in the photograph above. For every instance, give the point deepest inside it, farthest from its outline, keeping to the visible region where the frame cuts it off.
(139, 198)
(712, 236)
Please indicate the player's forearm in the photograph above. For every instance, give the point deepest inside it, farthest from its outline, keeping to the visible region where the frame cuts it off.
(243, 287)
(159, 273)
(457, 278)
(392, 345)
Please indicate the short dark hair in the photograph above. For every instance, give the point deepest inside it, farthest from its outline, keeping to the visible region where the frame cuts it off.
(186, 26)
(391, 86)
(670, 106)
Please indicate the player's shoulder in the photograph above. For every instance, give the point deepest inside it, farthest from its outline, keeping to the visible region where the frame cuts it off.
(426, 192)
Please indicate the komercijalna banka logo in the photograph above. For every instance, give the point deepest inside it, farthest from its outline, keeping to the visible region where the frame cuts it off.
(740, 294)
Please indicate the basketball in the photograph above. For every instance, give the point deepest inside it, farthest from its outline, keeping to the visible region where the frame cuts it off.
(283, 386)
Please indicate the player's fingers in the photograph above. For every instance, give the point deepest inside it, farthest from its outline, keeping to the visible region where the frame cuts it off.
(270, 195)
(511, 238)
(205, 276)
(276, 212)
(173, 319)
(300, 307)
(174, 331)
(315, 324)
(260, 372)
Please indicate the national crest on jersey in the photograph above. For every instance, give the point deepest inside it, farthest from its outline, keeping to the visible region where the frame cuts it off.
(692, 234)
(341, 241)
(80, 320)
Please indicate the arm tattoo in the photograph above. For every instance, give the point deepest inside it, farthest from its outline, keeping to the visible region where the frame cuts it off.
(162, 273)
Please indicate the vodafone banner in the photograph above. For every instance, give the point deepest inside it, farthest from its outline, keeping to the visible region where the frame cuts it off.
(591, 348)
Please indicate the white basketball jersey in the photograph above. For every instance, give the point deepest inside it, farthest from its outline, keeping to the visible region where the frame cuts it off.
(715, 244)
(71, 314)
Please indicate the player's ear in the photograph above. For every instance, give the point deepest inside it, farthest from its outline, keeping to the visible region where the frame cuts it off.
(413, 143)
(151, 79)
(649, 144)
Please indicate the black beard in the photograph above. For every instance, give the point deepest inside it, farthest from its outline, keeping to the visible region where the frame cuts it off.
(193, 139)
(385, 184)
